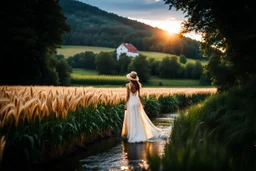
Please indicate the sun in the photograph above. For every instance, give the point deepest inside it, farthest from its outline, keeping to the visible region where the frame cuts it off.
(170, 33)
(170, 25)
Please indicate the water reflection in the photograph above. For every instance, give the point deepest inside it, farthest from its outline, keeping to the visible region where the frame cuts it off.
(115, 154)
(128, 156)
(140, 151)
(125, 156)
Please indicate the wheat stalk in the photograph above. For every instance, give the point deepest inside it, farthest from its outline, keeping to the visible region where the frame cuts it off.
(18, 103)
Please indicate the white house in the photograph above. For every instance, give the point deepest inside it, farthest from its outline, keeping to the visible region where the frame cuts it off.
(128, 49)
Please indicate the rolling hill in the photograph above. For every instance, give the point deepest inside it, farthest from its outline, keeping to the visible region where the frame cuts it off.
(92, 26)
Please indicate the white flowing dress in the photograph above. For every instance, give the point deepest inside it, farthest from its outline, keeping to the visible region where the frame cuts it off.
(137, 127)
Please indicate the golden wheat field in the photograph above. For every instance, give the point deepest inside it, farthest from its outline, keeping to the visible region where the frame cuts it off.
(20, 103)
(28, 102)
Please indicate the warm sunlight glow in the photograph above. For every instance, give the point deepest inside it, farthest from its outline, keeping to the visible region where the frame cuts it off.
(170, 33)
(171, 25)
(193, 36)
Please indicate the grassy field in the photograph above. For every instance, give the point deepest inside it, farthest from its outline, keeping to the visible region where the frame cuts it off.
(79, 73)
(155, 82)
(159, 56)
(68, 51)
(84, 71)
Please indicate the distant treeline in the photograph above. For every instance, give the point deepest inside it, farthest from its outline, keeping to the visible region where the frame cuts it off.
(170, 67)
(94, 27)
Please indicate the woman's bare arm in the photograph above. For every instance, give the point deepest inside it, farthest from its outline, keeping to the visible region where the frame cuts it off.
(127, 93)
(127, 96)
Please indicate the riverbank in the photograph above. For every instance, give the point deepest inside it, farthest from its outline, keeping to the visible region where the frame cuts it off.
(71, 159)
(112, 152)
(217, 135)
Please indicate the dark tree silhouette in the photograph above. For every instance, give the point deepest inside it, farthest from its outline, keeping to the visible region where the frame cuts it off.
(230, 27)
(31, 33)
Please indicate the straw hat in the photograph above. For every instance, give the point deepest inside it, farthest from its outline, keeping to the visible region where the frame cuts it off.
(132, 76)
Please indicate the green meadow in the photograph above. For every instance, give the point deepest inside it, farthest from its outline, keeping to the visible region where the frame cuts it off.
(68, 51)
(83, 77)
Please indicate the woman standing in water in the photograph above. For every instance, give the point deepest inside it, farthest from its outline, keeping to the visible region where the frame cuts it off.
(137, 127)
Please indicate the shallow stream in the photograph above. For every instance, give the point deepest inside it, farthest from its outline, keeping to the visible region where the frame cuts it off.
(115, 154)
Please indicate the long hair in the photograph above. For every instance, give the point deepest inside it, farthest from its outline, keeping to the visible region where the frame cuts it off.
(137, 84)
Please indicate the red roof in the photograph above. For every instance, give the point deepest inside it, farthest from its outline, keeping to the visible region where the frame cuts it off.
(130, 47)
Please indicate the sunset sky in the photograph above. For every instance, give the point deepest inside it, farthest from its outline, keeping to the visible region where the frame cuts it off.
(151, 12)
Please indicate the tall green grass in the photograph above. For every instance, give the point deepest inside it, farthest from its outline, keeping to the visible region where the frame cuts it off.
(216, 135)
(49, 138)
(170, 104)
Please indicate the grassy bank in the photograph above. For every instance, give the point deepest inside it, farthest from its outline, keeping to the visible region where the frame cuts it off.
(218, 135)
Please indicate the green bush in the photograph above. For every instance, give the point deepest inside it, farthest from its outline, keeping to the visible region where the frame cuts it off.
(183, 59)
(168, 104)
(152, 107)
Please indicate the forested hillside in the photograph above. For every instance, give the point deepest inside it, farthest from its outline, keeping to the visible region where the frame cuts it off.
(94, 27)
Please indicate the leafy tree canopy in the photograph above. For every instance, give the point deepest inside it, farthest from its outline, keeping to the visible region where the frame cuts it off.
(105, 63)
(141, 66)
(31, 33)
(228, 26)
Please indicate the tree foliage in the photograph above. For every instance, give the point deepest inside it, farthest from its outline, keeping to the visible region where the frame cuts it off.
(169, 67)
(105, 63)
(31, 33)
(84, 60)
(123, 63)
(154, 66)
(183, 59)
(64, 70)
(141, 66)
(228, 26)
